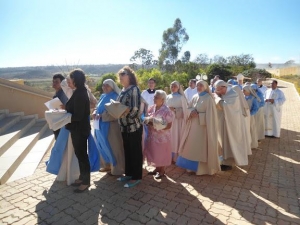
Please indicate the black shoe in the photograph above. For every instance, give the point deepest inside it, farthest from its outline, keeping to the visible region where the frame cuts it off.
(226, 168)
(80, 191)
(152, 172)
(76, 184)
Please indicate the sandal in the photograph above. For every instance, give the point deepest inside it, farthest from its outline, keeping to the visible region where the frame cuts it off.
(159, 176)
(124, 178)
(129, 185)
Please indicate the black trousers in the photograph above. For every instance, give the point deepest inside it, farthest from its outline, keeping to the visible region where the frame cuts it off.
(80, 147)
(132, 143)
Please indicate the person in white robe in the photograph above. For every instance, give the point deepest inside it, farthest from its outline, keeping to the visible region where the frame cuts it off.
(177, 102)
(261, 87)
(199, 144)
(246, 113)
(148, 94)
(253, 102)
(191, 90)
(274, 99)
(232, 130)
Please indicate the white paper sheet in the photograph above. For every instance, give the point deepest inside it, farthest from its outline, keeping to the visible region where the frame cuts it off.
(96, 124)
(53, 103)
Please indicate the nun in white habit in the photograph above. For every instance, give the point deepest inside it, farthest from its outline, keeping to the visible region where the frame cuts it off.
(232, 126)
(177, 102)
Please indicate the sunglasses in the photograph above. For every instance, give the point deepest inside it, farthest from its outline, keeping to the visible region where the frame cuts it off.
(123, 73)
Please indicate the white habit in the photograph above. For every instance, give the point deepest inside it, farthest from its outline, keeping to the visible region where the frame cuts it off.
(148, 95)
(273, 112)
(189, 93)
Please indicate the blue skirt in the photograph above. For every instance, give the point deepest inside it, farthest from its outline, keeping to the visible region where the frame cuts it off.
(187, 164)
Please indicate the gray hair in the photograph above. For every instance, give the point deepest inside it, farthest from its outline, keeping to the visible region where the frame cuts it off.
(162, 94)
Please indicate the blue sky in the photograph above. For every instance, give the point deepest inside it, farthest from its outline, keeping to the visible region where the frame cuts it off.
(60, 32)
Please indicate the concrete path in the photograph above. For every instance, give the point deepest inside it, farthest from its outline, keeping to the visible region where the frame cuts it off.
(267, 191)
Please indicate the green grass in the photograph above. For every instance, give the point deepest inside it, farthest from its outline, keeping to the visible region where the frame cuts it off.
(295, 79)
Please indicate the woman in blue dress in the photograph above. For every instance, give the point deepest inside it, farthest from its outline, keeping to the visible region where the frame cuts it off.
(108, 136)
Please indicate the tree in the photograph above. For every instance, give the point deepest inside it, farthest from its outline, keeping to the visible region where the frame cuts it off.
(256, 73)
(241, 60)
(173, 40)
(112, 76)
(239, 63)
(143, 57)
(290, 62)
(218, 69)
(202, 60)
(186, 57)
(219, 60)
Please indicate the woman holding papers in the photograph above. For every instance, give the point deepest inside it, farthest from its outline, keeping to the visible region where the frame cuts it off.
(79, 106)
(157, 148)
(108, 135)
(63, 162)
(131, 127)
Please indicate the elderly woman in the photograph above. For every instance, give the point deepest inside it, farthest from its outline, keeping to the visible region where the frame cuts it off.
(253, 103)
(177, 102)
(131, 127)
(199, 143)
(108, 135)
(157, 148)
(259, 116)
(79, 106)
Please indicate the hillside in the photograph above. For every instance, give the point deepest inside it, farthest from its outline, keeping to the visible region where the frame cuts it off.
(46, 72)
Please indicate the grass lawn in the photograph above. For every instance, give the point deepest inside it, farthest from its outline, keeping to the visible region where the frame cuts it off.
(295, 79)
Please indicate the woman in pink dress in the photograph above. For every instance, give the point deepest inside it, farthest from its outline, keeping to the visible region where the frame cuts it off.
(158, 150)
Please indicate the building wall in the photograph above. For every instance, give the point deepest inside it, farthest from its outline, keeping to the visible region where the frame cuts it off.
(21, 98)
(295, 70)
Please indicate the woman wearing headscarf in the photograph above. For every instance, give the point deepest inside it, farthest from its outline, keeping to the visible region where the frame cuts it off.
(253, 103)
(157, 147)
(108, 136)
(199, 143)
(259, 116)
(177, 102)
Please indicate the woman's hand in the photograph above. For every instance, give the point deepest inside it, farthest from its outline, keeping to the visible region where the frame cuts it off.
(193, 114)
(126, 112)
(173, 109)
(62, 107)
(96, 116)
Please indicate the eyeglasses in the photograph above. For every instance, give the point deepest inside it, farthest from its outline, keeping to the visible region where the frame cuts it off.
(123, 73)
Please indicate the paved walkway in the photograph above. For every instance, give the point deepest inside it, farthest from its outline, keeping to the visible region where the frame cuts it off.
(267, 191)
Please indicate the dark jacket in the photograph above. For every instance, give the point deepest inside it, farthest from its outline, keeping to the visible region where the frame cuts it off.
(79, 106)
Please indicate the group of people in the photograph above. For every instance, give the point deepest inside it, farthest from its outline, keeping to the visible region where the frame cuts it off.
(204, 129)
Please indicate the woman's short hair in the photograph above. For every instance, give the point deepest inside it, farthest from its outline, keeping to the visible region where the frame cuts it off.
(59, 76)
(162, 94)
(152, 79)
(78, 77)
(131, 74)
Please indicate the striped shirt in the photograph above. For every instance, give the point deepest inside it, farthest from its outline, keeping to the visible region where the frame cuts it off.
(130, 97)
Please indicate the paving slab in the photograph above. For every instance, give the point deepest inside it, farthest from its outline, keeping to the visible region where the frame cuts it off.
(267, 191)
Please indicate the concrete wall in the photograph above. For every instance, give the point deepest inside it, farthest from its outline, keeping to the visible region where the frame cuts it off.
(21, 98)
(295, 70)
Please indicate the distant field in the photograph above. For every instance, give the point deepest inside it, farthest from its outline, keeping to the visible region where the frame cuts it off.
(46, 83)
